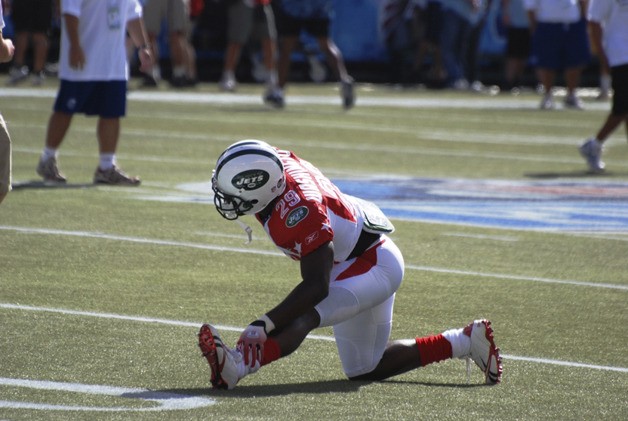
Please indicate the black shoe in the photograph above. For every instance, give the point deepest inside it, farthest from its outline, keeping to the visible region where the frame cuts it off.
(274, 97)
(148, 82)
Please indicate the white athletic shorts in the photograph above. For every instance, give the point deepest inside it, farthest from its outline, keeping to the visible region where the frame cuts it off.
(360, 305)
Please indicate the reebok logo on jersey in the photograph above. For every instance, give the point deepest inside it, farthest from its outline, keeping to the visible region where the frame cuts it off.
(311, 238)
(296, 215)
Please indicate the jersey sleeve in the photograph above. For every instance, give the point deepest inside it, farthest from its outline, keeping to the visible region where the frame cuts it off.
(300, 229)
(316, 229)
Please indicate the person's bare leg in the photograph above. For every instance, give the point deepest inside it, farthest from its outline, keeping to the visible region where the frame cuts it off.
(400, 356)
(108, 134)
(286, 46)
(572, 79)
(5, 160)
(546, 77)
(177, 49)
(291, 337)
(58, 125)
(334, 57)
(40, 46)
(190, 61)
(232, 57)
(612, 122)
(21, 45)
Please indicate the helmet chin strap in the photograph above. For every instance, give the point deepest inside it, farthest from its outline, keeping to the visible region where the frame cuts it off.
(247, 229)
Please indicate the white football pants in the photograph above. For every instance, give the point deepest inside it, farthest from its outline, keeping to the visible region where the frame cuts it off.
(360, 307)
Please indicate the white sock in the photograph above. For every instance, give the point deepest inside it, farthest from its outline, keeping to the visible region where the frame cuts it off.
(460, 343)
(179, 71)
(156, 72)
(228, 75)
(272, 79)
(107, 161)
(605, 83)
(48, 153)
(243, 369)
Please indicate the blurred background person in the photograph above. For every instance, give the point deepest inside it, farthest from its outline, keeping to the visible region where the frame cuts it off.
(255, 18)
(515, 20)
(559, 42)
(608, 29)
(314, 17)
(94, 72)
(478, 20)
(432, 19)
(32, 20)
(6, 54)
(176, 15)
(401, 24)
(459, 40)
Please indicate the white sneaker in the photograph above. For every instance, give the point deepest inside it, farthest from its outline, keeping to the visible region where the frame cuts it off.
(547, 103)
(347, 93)
(477, 86)
(37, 79)
(604, 95)
(483, 350)
(274, 97)
(115, 176)
(573, 102)
(460, 84)
(228, 85)
(17, 74)
(591, 150)
(49, 171)
(222, 360)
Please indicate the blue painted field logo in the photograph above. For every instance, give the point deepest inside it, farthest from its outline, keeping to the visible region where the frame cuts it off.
(297, 215)
(583, 205)
(588, 206)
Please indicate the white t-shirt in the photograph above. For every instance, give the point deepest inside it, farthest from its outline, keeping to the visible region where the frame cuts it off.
(554, 11)
(102, 33)
(1, 18)
(613, 16)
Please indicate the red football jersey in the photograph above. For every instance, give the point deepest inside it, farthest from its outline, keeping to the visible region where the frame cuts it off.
(310, 212)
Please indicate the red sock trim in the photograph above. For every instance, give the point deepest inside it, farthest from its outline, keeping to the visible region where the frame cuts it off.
(433, 349)
(272, 351)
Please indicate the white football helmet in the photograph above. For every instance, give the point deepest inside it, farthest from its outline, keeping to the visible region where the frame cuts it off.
(248, 176)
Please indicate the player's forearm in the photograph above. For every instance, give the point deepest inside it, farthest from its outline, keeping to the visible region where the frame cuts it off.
(6, 49)
(137, 33)
(532, 19)
(596, 35)
(72, 29)
(301, 299)
(315, 271)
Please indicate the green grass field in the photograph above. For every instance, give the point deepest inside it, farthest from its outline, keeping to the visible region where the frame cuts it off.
(102, 289)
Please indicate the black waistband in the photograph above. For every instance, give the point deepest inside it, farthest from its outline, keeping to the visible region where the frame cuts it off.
(364, 242)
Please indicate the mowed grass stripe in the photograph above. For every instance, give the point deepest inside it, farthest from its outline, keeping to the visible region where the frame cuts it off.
(144, 319)
(99, 235)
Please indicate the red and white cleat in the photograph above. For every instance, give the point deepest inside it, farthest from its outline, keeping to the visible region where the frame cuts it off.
(483, 350)
(221, 359)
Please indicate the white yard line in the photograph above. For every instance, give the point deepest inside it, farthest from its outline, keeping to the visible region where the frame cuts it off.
(141, 319)
(504, 238)
(249, 250)
(164, 401)
(364, 100)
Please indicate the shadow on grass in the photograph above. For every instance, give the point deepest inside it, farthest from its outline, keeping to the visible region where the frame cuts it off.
(327, 386)
(574, 174)
(38, 184)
